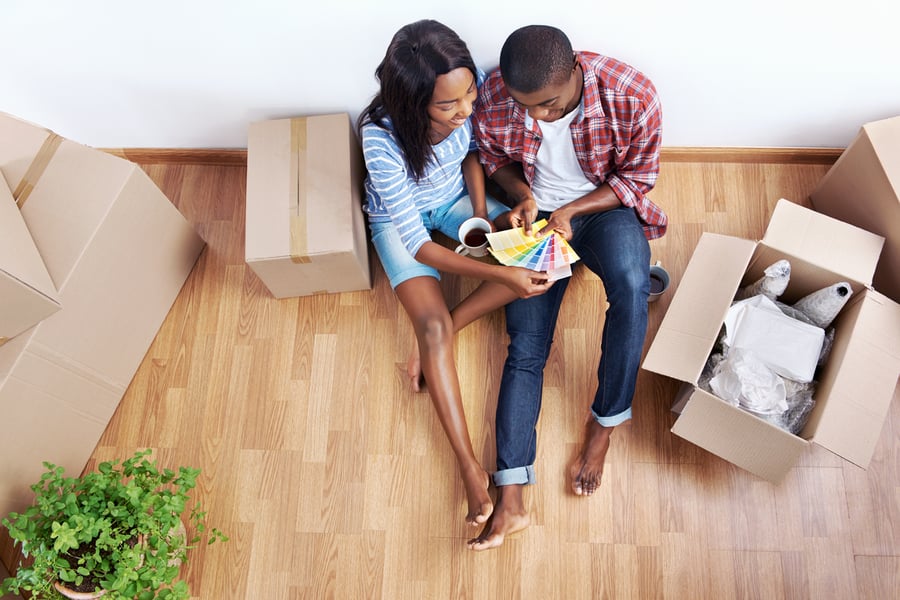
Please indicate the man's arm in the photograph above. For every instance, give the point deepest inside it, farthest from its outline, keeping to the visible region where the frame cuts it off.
(511, 178)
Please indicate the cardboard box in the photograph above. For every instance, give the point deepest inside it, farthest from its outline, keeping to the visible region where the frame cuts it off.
(27, 293)
(863, 188)
(305, 229)
(118, 252)
(856, 384)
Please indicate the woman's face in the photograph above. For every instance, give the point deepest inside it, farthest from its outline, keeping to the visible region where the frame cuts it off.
(452, 100)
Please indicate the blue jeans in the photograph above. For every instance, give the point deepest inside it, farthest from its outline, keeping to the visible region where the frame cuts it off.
(612, 244)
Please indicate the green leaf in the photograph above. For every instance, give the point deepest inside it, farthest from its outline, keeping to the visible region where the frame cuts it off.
(64, 537)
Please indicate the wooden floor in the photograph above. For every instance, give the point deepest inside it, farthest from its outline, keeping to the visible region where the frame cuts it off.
(335, 481)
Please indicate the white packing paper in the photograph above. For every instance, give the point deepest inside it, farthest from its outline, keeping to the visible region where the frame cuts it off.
(789, 347)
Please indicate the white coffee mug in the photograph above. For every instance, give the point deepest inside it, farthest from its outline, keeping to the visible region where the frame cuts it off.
(659, 282)
(473, 235)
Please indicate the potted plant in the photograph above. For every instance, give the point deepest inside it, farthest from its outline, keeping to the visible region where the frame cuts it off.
(116, 532)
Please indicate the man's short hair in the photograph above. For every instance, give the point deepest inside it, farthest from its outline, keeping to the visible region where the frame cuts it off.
(535, 56)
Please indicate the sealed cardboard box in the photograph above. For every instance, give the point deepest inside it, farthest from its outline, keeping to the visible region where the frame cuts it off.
(118, 252)
(27, 293)
(305, 229)
(854, 387)
(863, 188)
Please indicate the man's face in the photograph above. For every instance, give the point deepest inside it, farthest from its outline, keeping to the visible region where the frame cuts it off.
(554, 100)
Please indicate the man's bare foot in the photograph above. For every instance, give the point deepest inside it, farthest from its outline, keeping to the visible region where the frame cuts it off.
(509, 517)
(476, 482)
(587, 468)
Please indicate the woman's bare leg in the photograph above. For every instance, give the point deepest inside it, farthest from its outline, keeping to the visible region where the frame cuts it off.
(425, 305)
(487, 297)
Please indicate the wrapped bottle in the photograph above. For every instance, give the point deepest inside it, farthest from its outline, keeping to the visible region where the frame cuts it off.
(772, 284)
(822, 306)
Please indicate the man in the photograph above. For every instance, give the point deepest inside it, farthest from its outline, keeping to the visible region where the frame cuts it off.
(572, 137)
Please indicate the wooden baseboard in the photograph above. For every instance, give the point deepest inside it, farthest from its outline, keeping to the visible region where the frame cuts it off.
(804, 156)
(238, 156)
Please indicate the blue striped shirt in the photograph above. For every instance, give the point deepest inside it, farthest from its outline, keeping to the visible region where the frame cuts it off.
(392, 194)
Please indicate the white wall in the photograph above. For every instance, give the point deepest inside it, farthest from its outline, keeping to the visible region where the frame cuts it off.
(193, 73)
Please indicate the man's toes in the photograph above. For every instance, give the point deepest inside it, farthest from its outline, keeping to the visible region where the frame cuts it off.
(485, 543)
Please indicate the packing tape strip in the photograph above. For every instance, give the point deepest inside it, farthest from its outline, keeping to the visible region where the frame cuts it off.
(36, 169)
(298, 201)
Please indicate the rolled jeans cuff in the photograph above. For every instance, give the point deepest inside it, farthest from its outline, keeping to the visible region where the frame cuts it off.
(613, 420)
(515, 476)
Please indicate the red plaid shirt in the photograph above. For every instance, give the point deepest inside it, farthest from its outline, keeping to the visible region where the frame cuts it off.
(617, 133)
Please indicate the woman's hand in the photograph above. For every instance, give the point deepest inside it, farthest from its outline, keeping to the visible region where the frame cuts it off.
(525, 282)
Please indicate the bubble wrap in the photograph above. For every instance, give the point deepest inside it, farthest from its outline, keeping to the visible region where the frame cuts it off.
(822, 306)
(772, 284)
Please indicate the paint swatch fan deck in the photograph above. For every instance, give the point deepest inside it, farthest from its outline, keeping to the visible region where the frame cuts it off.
(550, 253)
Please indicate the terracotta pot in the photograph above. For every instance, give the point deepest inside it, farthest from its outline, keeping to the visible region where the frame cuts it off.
(73, 595)
(77, 595)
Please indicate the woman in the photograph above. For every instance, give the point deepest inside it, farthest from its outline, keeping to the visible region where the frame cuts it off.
(424, 175)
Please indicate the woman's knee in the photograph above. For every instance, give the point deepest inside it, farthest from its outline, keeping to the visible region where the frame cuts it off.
(434, 330)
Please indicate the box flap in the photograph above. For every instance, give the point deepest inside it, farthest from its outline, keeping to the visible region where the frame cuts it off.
(821, 240)
(269, 190)
(694, 318)
(326, 224)
(20, 257)
(884, 135)
(739, 437)
(27, 293)
(856, 387)
(22, 142)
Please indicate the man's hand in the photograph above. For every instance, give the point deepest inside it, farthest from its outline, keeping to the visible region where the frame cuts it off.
(523, 214)
(559, 221)
(525, 282)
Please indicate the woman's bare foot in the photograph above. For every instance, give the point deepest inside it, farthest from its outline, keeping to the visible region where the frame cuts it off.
(414, 369)
(509, 517)
(587, 468)
(476, 482)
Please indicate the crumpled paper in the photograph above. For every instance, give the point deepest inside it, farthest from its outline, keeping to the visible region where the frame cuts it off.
(741, 379)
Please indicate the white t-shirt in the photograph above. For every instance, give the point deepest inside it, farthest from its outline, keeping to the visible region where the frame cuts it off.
(558, 178)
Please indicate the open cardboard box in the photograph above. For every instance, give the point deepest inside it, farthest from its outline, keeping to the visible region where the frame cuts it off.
(27, 294)
(854, 387)
(863, 188)
(305, 229)
(118, 252)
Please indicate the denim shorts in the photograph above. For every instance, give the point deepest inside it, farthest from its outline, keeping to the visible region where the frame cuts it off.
(398, 263)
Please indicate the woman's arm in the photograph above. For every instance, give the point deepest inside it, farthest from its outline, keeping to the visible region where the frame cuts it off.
(473, 174)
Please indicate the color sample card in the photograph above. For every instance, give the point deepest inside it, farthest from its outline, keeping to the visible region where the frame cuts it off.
(551, 253)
